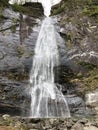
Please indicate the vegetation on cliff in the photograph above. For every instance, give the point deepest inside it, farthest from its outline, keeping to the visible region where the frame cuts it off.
(89, 7)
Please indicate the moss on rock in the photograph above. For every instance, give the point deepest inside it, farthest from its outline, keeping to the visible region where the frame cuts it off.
(32, 9)
(18, 77)
(20, 51)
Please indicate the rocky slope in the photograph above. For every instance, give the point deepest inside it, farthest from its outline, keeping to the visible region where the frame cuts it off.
(17, 123)
(79, 26)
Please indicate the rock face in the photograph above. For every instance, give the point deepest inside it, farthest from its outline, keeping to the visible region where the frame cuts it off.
(18, 34)
(17, 41)
(13, 96)
(77, 73)
(80, 30)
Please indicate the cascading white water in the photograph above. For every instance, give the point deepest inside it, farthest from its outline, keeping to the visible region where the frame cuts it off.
(46, 100)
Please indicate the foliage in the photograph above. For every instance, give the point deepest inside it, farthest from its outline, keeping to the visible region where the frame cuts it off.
(59, 9)
(29, 9)
(88, 80)
(17, 77)
(87, 65)
(91, 11)
(3, 4)
(90, 7)
(20, 51)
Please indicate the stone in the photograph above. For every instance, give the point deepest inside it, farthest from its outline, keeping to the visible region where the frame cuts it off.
(6, 116)
(9, 13)
(90, 128)
(69, 123)
(77, 126)
(76, 104)
(83, 121)
(92, 99)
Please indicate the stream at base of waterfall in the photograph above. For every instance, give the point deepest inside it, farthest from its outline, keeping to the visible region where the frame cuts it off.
(47, 100)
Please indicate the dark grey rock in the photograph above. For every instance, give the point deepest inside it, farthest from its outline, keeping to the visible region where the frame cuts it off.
(76, 104)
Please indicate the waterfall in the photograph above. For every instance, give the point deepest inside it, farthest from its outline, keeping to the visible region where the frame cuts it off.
(46, 100)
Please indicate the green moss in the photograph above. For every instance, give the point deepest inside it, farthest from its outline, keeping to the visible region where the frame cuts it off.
(31, 9)
(79, 75)
(20, 51)
(3, 4)
(91, 11)
(11, 124)
(10, 76)
(89, 2)
(13, 28)
(17, 7)
(59, 10)
(87, 82)
(18, 77)
(91, 8)
(1, 16)
(87, 65)
(69, 44)
(90, 83)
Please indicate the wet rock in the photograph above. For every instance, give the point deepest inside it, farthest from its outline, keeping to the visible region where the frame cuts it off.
(15, 57)
(76, 104)
(7, 24)
(15, 91)
(9, 13)
(17, 42)
(1, 56)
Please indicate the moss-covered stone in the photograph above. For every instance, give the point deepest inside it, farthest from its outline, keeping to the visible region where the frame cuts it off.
(11, 124)
(88, 65)
(17, 77)
(87, 82)
(89, 7)
(91, 11)
(13, 29)
(20, 51)
(3, 4)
